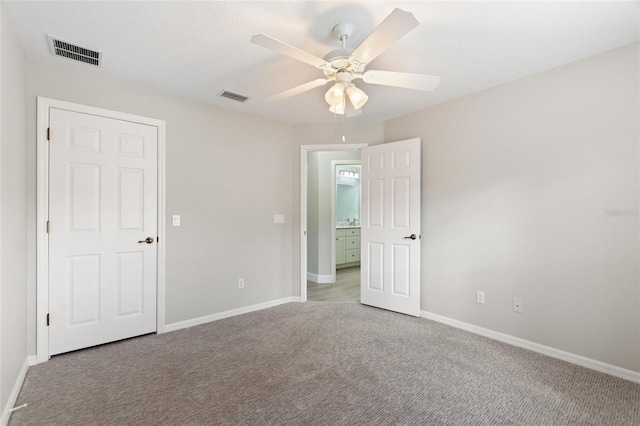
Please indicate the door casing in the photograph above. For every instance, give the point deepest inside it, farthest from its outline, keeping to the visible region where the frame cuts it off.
(42, 209)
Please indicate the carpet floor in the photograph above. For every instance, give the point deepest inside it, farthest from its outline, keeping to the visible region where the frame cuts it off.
(320, 364)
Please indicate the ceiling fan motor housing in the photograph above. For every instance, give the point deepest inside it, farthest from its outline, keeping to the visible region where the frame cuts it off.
(340, 60)
(343, 77)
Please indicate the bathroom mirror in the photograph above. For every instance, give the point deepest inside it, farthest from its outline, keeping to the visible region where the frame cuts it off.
(348, 195)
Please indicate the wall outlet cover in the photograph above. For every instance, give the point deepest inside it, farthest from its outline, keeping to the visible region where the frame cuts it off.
(517, 305)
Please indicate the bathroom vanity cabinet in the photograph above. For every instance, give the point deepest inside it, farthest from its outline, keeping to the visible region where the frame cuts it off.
(347, 247)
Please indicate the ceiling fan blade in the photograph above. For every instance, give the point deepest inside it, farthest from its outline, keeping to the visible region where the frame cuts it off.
(402, 79)
(299, 89)
(392, 29)
(288, 50)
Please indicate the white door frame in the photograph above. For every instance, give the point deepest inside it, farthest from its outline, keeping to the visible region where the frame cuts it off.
(42, 209)
(334, 204)
(304, 152)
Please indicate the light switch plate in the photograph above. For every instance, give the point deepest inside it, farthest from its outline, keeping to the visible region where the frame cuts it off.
(278, 218)
(176, 220)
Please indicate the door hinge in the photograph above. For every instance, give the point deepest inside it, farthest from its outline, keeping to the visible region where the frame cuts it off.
(48, 317)
(48, 133)
(47, 227)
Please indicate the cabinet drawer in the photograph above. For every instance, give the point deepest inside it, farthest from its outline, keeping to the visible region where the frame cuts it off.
(352, 231)
(340, 232)
(352, 243)
(352, 255)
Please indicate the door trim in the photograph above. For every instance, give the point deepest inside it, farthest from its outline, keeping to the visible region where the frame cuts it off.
(42, 209)
(304, 152)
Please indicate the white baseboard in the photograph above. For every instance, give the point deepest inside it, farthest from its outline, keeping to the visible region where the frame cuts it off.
(226, 314)
(320, 279)
(32, 360)
(13, 397)
(582, 361)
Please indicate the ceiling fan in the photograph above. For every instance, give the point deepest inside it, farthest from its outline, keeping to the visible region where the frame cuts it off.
(344, 65)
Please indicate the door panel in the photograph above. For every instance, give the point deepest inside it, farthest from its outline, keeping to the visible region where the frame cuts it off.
(102, 202)
(131, 199)
(390, 273)
(84, 289)
(130, 284)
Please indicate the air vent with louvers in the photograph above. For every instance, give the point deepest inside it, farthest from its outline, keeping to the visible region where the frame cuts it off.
(234, 96)
(74, 51)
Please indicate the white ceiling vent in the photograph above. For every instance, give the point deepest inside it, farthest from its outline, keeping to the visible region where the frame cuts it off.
(74, 51)
(233, 96)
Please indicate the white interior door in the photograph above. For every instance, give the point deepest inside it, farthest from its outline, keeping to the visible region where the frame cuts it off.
(102, 207)
(390, 227)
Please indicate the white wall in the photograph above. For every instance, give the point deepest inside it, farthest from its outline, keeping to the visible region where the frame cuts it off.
(13, 202)
(319, 216)
(227, 174)
(518, 184)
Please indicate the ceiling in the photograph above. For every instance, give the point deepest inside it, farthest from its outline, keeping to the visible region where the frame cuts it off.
(196, 50)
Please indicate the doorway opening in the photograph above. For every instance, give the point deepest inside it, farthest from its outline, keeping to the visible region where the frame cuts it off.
(320, 280)
(344, 283)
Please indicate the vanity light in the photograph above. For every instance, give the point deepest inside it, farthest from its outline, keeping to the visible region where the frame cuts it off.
(349, 174)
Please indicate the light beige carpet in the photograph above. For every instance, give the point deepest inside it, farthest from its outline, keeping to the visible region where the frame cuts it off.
(320, 364)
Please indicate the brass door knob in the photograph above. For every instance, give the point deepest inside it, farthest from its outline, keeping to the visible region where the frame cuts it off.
(147, 240)
(411, 237)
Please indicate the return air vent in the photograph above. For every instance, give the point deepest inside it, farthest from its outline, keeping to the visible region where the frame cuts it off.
(74, 51)
(234, 96)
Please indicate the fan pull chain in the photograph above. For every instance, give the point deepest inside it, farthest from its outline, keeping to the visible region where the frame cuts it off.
(343, 115)
(335, 127)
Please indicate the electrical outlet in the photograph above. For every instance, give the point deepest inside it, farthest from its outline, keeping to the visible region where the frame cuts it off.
(480, 297)
(176, 220)
(278, 218)
(517, 305)
(241, 283)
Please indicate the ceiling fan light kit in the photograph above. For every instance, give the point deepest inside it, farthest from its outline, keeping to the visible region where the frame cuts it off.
(335, 95)
(357, 97)
(338, 108)
(345, 65)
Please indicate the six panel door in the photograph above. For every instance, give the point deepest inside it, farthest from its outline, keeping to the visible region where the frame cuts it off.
(102, 208)
(390, 226)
